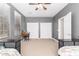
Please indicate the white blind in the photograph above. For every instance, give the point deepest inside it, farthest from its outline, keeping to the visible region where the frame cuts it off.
(33, 28)
(45, 30)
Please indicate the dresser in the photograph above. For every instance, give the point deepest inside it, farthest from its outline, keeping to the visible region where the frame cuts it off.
(11, 43)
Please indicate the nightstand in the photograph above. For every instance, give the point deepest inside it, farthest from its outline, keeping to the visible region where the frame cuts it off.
(75, 40)
(61, 42)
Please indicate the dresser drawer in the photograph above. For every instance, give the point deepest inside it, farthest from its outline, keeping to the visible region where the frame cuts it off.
(10, 45)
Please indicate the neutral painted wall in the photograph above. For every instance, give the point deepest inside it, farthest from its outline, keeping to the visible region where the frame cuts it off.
(71, 7)
(11, 16)
(12, 21)
(40, 19)
(23, 23)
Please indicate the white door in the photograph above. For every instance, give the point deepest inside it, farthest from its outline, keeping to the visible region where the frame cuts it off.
(61, 28)
(45, 30)
(33, 28)
(67, 27)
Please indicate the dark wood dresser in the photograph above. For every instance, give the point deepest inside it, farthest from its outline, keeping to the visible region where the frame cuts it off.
(12, 43)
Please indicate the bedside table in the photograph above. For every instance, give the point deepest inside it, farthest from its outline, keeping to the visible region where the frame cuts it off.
(61, 42)
(75, 40)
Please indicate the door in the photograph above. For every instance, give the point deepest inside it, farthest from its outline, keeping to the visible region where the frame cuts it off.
(45, 30)
(33, 28)
(61, 28)
(67, 27)
(64, 27)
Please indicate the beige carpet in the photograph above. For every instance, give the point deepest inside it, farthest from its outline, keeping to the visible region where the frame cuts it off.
(39, 47)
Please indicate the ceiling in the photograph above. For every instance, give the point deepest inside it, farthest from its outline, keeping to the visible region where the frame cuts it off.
(29, 10)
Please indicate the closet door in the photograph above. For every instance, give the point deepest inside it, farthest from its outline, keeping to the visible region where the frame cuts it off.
(33, 28)
(61, 28)
(67, 27)
(45, 30)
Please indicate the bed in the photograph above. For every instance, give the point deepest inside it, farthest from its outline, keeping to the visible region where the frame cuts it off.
(69, 51)
(9, 52)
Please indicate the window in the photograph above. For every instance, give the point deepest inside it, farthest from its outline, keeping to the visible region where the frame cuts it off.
(4, 20)
(45, 30)
(3, 27)
(40, 30)
(33, 28)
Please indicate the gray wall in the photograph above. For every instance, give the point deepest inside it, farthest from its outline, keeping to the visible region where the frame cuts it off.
(71, 7)
(23, 23)
(11, 16)
(40, 19)
(12, 21)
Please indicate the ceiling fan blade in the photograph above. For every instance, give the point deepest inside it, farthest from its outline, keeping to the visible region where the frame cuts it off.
(33, 3)
(47, 3)
(36, 9)
(44, 8)
(38, 3)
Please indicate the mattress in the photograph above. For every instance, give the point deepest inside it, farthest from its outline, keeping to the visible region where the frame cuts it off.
(9, 52)
(69, 51)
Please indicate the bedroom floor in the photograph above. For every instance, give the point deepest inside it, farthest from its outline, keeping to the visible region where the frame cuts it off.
(39, 47)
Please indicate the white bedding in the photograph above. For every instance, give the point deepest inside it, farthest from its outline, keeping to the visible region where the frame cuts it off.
(9, 52)
(69, 51)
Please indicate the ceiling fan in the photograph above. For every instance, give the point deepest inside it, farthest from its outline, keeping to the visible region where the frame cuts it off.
(42, 5)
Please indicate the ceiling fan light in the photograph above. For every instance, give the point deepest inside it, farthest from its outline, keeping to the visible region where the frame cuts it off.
(36, 8)
(44, 8)
(40, 6)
